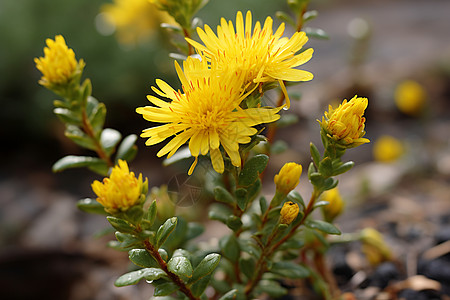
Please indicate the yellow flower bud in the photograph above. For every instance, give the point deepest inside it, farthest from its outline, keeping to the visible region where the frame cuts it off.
(374, 247)
(335, 206)
(387, 149)
(59, 65)
(289, 212)
(345, 124)
(121, 190)
(410, 97)
(288, 177)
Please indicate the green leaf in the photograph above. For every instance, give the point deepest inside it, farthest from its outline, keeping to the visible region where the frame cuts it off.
(173, 27)
(134, 214)
(330, 183)
(287, 120)
(230, 247)
(165, 230)
(219, 212)
(222, 195)
(263, 204)
(91, 206)
(325, 167)
(279, 147)
(67, 116)
(97, 116)
(285, 18)
(247, 265)
(121, 224)
(343, 168)
(181, 266)
(323, 226)
(72, 161)
(86, 88)
(127, 149)
(164, 289)
(101, 168)
(79, 137)
(252, 168)
(234, 223)
(311, 169)
(181, 154)
(272, 288)
(109, 139)
(241, 198)
(315, 155)
(321, 203)
(200, 286)
(142, 258)
(310, 15)
(316, 33)
(163, 253)
(297, 198)
(289, 269)
(194, 230)
(316, 179)
(231, 295)
(136, 276)
(206, 266)
(151, 212)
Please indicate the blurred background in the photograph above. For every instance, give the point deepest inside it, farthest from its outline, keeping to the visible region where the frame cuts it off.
(396, 53)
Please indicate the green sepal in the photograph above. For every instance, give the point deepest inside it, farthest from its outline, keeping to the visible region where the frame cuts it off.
(234, 222)
(164, 288)
(72, 161)
(181, 266)
(295, 196)
(79, 137)
(230, 247)
(241, 198)
(141, 258)
(165, 230)
(323, 226)
(222, 195)
(109, 138)
(231, 295)
(121, 224)
(67, 116)
(91, 206)
(251, 170)
(289, 269)
(206, 266)
(127, 149)
(342, 168)
(151, 213)
(284, 17)
(316, 33)
(136, 276)
(315, 155)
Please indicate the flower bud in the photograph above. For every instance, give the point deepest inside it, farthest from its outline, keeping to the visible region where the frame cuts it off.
(410, 97)
(121, 190)
(289, 212)
(288, 177)
(59, 65)
(345, 124)
(335, 204)
(374, 247)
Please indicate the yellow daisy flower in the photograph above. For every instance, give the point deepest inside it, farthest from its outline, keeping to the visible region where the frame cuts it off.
(207, 114)
(263, 56)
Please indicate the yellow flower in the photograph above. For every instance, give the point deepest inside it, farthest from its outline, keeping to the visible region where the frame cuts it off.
(345, 124)
(134, 19)
(288, 177)
(410, 97)
(289, 212)
(387, 149)
(207, 114)
(374, 246)
(335, 204)
(121, 190)
(59, 65)
(262, 55)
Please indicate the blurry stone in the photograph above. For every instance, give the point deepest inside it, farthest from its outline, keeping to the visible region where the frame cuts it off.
(437, 269)
(341, 269)
(442, 235)
(409, 294)
(383, 274)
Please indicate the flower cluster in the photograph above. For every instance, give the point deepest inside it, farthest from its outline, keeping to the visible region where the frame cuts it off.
(208, 111)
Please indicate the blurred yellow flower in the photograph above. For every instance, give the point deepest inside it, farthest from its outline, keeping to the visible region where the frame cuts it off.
(387, 149)
(335, 206)
(374, 246)
(134, 19)
(410, 97)
(207, 114)
(289, 212)
(262, 55)
(288, 178)
(121, 190)
(59, 65)
(345, 124)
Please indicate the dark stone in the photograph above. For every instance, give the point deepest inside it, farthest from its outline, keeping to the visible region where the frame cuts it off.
(437, 269)
(409, 294)
(383, 274)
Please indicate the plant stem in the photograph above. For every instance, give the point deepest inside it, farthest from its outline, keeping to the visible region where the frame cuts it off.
(188, 35)
(175, 279)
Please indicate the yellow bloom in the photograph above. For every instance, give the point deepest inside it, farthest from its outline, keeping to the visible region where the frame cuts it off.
(335, 206)
(374, 246)
(288, 177)
(262, 55)
(121, 190)
(59, 65)
(387, 149)
(410, 97)
(134, 19)
(207, 114)
(345, 124)
(289, 212)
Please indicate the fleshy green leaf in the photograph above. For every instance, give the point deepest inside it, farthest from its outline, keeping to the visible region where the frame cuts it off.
(263, 204)
(234, 223)
(134, 214)
(247, 266)
(91, 206)
(251, 170)
(72, 161)
(297, 198)
(230, 247)
(343, 168)
(194, 230)
(67, 116)
(231, 295)
(272, 288)
(200, 286)
(164, 289)
(121, 224)
(127, 149)
(316, 33)
(323, 226)
(142, 258)
(97, 116)
(151, 212)
(241, 198)
(136, 276)
(79, 137)
(181, 266)
(109, 139)
(289, 269)
(314, 154)
(321, 203)
(284, 17)
(325, 167)
(165, 230)
(206, 266)
(310, 15)
(279, 147)
(222, 195)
